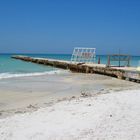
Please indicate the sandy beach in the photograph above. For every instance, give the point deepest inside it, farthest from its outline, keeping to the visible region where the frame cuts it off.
(113, 116)
(69, 106)
(23, 94)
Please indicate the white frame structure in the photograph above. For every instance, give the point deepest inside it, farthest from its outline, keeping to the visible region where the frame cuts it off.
(83, 55)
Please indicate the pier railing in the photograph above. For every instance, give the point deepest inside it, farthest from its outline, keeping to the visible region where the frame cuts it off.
(119, 58)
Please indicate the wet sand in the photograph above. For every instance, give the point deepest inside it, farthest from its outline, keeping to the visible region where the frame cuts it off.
(23, 94)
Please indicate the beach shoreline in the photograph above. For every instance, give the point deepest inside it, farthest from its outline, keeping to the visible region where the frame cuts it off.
(69, 106)
(28, 94)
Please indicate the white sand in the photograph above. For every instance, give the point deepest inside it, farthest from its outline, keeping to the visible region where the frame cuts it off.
(18, 93)
(107, 116)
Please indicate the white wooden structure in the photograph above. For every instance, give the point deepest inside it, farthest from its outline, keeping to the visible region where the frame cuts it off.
(83, 55)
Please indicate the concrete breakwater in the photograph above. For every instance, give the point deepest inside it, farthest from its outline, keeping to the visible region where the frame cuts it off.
(118, 72)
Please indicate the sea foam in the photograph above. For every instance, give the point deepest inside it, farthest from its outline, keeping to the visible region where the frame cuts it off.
(13, 75)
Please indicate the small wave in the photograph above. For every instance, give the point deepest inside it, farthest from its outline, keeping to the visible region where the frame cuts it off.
(13, 75)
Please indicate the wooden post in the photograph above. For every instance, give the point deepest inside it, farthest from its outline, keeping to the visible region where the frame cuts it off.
(108, 63)
(99, 61)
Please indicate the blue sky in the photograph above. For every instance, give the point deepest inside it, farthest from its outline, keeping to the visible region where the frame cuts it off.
(57, 26)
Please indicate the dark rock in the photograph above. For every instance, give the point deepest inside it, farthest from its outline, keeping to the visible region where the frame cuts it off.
(83, 94)
(18, 112)
(31, 106)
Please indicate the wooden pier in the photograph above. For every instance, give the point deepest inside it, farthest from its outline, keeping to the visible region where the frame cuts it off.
(126, 73)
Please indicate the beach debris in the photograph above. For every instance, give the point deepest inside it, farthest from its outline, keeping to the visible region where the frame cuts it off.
(84, 94)
(49, 103)
(73, 97)
(31, 106)
(102, 89)
(63, 99)
(18, 112)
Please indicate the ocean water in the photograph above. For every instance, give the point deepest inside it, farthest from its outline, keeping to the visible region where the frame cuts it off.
(16, 68)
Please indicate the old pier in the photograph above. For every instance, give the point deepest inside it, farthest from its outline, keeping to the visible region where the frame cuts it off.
(128, 73)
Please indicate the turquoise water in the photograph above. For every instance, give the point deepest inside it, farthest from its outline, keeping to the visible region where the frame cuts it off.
(7, 64)
(12, 68)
